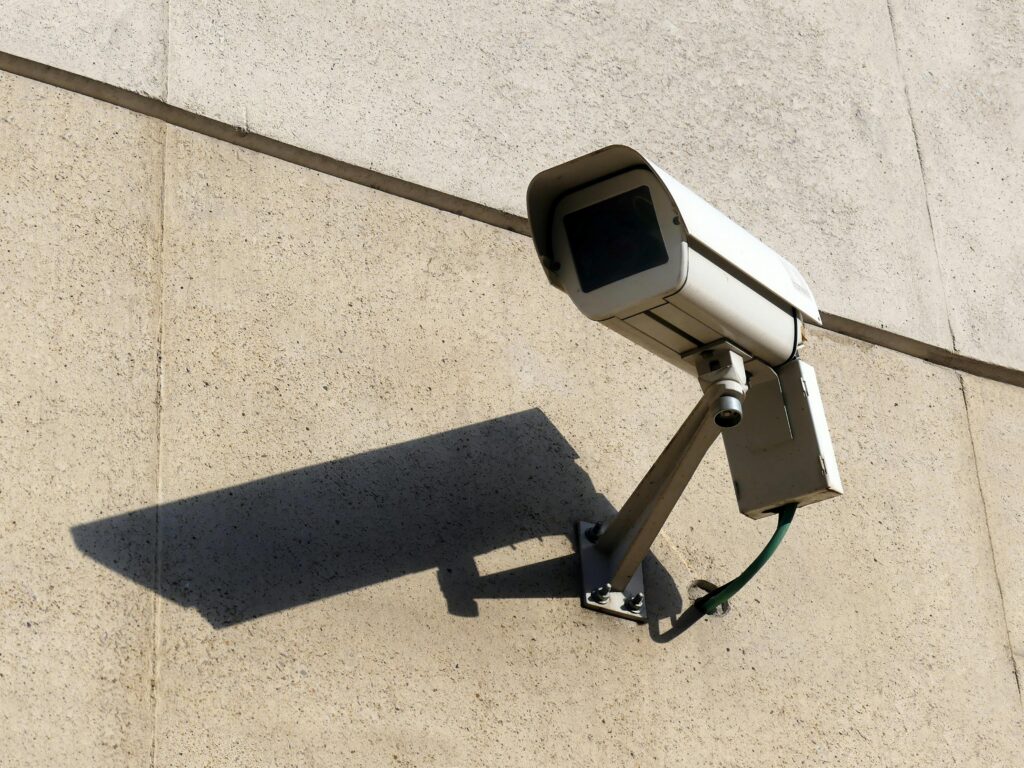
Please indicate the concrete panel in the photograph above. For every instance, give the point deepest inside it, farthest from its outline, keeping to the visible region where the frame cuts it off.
(997, 414)
(79, 241)
(965, 71)
(121, 42)
(793, 120)
(380, 424)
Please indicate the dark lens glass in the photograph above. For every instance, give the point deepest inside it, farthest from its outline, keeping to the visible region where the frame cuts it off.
(615, 238)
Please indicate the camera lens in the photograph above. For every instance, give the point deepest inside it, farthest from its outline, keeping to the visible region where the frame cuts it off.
(730, 412)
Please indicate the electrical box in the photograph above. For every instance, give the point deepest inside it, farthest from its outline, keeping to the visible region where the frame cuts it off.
(781, 451)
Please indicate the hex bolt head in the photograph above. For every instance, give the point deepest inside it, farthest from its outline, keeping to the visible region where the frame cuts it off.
(600, 595)
(593, 533)
(635, 603)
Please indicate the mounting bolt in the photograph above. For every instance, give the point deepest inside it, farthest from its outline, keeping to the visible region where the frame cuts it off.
(635, 603)
(600, 595)
(593, 533)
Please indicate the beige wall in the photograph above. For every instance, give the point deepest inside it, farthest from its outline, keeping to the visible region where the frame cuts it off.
(877, 145)
(80, 231)
(288, 466)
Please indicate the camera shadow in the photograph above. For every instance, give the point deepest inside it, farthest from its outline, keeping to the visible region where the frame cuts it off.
(243, 552)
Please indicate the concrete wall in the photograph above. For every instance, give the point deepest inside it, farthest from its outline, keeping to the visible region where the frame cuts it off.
(288, 466)
(877, 145)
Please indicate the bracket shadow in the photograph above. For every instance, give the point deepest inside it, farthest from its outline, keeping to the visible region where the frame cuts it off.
(437, 502)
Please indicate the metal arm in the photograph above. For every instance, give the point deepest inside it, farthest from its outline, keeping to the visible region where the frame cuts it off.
(612, 554)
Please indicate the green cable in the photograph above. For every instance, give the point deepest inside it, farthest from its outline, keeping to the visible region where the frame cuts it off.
(711, 601)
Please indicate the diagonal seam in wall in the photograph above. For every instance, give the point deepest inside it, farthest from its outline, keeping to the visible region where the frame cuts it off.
(443, 201)
(151, 107)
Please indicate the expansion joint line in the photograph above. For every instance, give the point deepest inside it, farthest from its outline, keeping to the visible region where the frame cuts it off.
(991, 541)
(921, 168)
(157, 606)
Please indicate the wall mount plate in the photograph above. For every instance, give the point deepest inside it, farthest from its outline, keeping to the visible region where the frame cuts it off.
(596, 570)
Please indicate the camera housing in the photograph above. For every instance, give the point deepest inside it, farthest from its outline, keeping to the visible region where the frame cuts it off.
(639, 252)
(692, 276)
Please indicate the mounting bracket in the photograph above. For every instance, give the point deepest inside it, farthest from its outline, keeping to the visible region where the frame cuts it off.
(611, 554)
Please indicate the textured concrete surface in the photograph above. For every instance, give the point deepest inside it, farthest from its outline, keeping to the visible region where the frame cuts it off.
(796, 121)
(965, 74)
(121, 42)
(379, 424)
(79, 239)
(791, 119)
(996, 414)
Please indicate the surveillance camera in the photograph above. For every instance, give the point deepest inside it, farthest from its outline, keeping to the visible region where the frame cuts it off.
(641, 253)
(637, 251)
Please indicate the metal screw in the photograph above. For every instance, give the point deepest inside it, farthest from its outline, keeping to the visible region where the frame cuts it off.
(634, 603)
(600, 595)
(594, 532)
